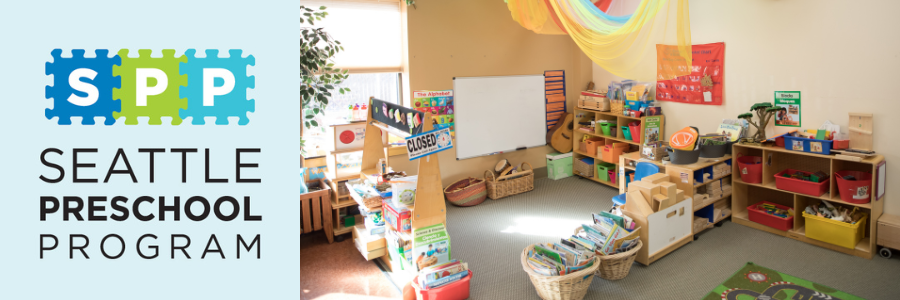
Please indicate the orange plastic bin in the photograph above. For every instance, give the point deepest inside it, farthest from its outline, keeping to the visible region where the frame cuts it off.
(611, 152)
(592, 144)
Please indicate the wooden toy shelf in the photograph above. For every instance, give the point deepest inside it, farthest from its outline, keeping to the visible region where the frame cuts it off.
(777, 159)
(586, 115)
(688, 184)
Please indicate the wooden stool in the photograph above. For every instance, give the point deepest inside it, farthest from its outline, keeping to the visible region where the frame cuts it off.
(315, 210)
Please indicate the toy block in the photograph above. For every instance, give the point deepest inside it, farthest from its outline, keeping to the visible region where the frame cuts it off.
(635, 202)
(647, 190)
(656, 178)
(667, 189)
(662, 201)
(679, 196)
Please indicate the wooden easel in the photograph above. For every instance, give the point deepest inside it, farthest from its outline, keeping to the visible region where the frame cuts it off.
(429, 208)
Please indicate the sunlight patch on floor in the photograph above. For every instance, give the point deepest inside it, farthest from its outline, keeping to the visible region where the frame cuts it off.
(549, 227)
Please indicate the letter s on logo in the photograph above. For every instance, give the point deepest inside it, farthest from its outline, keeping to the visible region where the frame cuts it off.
(78, 85)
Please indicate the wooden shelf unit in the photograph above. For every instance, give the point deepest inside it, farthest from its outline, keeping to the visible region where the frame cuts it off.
(675, 175)
(587, 115)
(777, 159)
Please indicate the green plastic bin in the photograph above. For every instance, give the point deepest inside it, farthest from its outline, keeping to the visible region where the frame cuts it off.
(603, 168)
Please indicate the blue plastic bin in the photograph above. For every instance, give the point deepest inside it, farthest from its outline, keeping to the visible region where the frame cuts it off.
(807, 145)
(619, 200)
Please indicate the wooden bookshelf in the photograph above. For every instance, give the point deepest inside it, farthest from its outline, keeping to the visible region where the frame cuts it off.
(587, 115)
(777, 159)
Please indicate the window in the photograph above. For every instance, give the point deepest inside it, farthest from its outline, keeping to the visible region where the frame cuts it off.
(372, 36)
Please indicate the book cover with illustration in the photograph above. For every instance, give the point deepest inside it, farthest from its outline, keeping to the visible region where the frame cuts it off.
(731, 132)
(431, 246)
(440, 105)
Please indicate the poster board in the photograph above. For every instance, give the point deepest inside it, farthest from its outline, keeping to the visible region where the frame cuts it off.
(705, 83)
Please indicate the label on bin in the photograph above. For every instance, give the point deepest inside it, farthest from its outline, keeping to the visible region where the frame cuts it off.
(744, 171)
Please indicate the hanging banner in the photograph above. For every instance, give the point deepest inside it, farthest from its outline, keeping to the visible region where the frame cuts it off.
(428, 143)
(702, 86)
(790, 116)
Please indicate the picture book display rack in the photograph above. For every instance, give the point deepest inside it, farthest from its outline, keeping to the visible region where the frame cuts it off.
(778, 159)
(587, 115)
(429, 207)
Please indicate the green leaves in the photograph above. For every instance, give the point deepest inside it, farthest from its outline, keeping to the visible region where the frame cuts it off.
(318, 76)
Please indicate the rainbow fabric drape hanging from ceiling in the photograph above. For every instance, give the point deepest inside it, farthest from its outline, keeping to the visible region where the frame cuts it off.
(618, 35)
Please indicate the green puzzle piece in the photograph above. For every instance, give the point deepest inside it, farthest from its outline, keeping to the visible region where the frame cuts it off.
(165, 104)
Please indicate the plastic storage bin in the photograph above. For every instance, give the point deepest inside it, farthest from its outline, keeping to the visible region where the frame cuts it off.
(635, 129)
(815, 189)
(854, 191)
(458, 290)
(680, 157)
(807, 145)
(605, 128)
(835, 232)
(592, 144)
(626, 132)
(750, 168)
(603, 170)
(611, 152)
(760, 216)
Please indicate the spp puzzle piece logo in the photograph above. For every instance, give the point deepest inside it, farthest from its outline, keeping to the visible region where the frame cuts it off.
(130, 87)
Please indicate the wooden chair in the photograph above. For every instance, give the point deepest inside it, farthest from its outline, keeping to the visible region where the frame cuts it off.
(315, 210)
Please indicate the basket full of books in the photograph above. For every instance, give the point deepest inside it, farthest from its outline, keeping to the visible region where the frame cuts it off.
(616, 241)
(555, 274)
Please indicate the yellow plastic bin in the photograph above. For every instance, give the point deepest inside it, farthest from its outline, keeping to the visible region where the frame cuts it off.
(835, 232)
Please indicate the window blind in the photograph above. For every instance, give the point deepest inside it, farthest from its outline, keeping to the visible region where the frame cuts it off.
(370, 32)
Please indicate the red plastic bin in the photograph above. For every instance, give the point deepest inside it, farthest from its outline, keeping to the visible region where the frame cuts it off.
(760, 216)
(750, 168)
(458, 290)
(815, 189)
(854, 191)
(636, 132)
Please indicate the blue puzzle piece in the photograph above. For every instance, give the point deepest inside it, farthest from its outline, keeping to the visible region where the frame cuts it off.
(233, 104)
(104, 81)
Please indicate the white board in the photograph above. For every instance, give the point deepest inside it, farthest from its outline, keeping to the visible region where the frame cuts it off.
(498, 114)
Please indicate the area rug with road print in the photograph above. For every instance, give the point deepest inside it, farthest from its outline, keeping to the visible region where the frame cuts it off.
(757, 282)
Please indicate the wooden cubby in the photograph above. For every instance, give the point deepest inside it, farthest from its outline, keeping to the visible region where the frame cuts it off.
(777, 159)
(675, 171)
(587, 115)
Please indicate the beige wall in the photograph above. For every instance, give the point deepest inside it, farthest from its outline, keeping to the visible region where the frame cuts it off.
(843, 57)
(468, 38)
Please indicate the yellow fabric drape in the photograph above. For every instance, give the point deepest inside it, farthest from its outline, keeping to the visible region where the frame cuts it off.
(624, 46)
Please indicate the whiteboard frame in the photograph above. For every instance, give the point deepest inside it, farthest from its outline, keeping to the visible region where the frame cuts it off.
(456, 102)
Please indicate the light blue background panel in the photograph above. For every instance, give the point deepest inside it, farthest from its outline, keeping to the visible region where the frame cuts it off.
(266, 29)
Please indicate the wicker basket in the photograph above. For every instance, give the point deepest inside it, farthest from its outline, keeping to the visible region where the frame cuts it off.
(616, 266)
(580, 167)
(566, 287)
(618, 106)
(507, 185)
(466, 192)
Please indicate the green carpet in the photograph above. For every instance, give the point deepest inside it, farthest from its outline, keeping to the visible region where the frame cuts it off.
(757, 282)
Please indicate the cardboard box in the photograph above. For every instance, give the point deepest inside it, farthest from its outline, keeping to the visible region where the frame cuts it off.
(396, 218)
(661, 202)
(635, 202)
(667, 189)
(559, 165)
(647, 190)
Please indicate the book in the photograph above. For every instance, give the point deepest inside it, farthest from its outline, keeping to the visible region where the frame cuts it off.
(431, 275)
(731, 132)
(446, 280)
(430, 246)
(617, 219)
